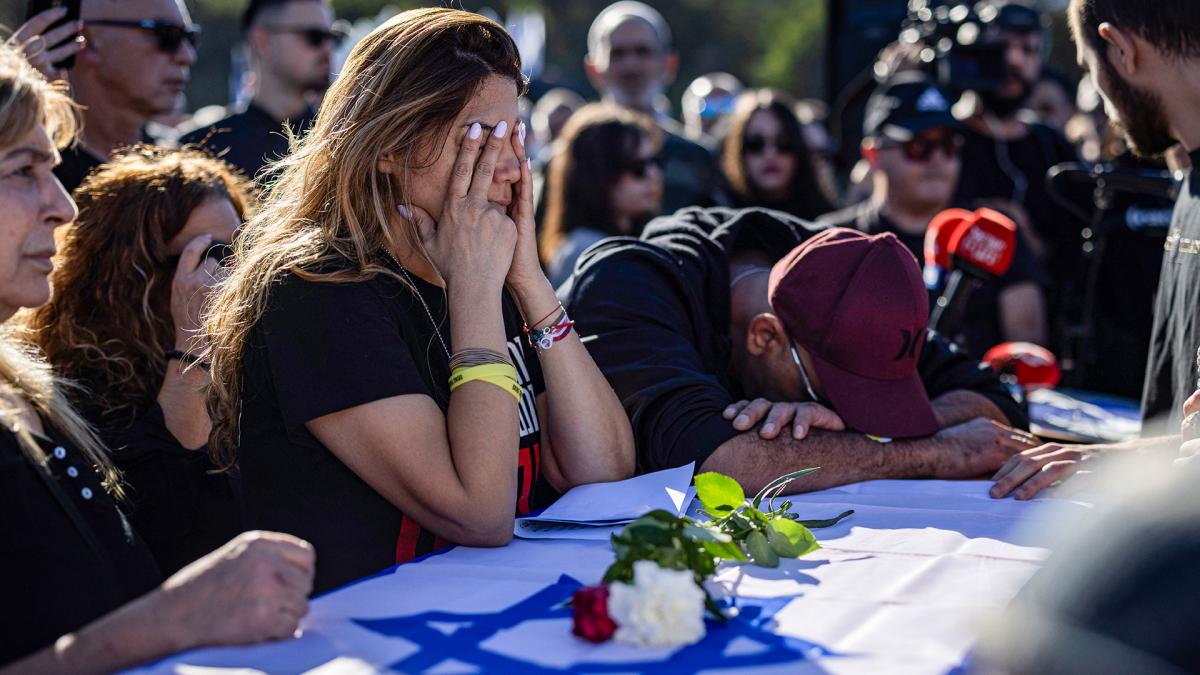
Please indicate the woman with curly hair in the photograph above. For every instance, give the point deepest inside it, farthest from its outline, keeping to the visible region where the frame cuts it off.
(391, 368)
(766, 159)
(129, 287)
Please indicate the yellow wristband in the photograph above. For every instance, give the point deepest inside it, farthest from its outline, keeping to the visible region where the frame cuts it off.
(501, 375)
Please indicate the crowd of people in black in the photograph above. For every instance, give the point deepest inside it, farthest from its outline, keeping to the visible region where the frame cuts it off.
(363, 319)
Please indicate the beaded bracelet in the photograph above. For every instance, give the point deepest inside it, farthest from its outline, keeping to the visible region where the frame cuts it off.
(542, 339)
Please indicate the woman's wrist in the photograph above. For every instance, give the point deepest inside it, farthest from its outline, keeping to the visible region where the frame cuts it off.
(535, 301)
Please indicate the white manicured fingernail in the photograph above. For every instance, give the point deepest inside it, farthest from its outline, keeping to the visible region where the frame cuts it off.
(404, 211)
(768, 427)
(474, 132)
(501, 129)
(521, 134)
(528, 165)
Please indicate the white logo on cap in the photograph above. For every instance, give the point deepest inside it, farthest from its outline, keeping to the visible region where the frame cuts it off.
(932, 101)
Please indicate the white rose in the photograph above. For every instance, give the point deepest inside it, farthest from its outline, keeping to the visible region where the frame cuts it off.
(661, 608)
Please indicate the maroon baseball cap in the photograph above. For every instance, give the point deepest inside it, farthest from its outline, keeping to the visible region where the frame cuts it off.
(858, 305)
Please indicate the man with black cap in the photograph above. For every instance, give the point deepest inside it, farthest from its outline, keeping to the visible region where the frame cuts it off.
(1006, 156)
(714, 323)
(913, 144)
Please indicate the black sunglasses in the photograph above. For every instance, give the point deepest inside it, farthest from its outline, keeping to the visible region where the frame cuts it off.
(315, 37)
(755, 145)
(921, 148)
(638, 167)
(169, 35)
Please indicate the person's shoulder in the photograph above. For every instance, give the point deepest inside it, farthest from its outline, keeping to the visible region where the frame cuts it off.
(678, 145)
(851, 217)
(203, 133)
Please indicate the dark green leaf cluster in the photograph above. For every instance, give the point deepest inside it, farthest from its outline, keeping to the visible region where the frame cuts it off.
(735, 531)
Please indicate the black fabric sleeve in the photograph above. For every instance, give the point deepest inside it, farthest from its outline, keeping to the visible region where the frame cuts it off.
(334, 346)
(945, 367)
(176, 500)
(638, 333)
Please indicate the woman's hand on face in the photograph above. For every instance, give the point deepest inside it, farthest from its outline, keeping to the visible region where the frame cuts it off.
(194, 280)
(473, 242)
(41, 47)
(526, 270)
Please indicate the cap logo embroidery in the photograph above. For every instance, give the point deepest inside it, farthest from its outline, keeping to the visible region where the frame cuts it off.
(908, 346)
(932, 101)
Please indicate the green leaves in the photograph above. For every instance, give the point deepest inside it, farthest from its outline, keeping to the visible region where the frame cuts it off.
(791, 539)
(736, 532)
(719, 494)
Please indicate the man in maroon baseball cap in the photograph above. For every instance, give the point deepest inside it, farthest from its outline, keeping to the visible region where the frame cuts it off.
(855, 309)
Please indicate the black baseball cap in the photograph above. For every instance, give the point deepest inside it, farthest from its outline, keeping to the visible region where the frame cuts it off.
(905, 106)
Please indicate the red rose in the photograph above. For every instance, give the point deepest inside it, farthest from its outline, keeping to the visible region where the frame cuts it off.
(592, 622)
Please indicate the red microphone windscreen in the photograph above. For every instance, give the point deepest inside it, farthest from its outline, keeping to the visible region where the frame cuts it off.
(1034, 366)
(939, 232)
(988, 244)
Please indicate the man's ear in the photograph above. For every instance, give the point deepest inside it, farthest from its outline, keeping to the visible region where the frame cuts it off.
(594, 75)
(1122, 49)
(256, 39)
(672, 68)
(870, 153)
(765, 335)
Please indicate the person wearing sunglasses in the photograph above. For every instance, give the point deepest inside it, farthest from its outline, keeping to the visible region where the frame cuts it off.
(605, 180)
(133, 67)
(766, 160)
(291, 45)
(914, 148)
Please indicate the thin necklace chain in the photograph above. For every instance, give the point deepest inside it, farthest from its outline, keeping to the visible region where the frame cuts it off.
(420, 297)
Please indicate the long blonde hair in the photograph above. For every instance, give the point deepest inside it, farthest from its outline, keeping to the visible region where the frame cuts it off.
(26, 101)
(326, 216)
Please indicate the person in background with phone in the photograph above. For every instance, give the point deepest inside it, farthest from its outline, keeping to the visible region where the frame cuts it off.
(291, 45)
(50, 38)
(129, 288)
(134, 61)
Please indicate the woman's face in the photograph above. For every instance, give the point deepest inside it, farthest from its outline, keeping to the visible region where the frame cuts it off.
(638, 192)
(32, 204)
(215, 216)
(769, 157)
(496, 100)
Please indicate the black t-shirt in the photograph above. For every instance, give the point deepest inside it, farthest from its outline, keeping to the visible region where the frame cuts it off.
(1171, 371)
(249, 139)
(324, 347)
(76, 164)
(981, 324)
(1016, 170)
(67, 554)
(182, 507)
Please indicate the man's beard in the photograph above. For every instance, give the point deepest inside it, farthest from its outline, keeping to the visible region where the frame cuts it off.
(1003, 106)
(1140, 115)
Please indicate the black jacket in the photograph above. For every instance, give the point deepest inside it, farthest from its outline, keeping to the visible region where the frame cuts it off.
(654, 313)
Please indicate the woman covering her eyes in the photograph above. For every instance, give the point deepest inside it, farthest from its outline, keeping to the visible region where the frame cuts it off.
(391, 369)
(765, 159)
(604, 180)
(129, 287)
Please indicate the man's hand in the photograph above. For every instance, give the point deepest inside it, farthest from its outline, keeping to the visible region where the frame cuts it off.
(1027, 474)
(976, 447)
(1191, 418)
(775, 416)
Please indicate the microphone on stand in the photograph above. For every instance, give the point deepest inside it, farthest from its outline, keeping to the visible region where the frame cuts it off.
(981, 250)
(937, 245)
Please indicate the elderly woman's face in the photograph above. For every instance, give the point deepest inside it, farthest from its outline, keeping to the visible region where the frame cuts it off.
(32, 204)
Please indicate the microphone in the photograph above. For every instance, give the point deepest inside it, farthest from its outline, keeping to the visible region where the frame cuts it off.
(981, 250)
(1033, 366)
(1159, 184)
(937, 245)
